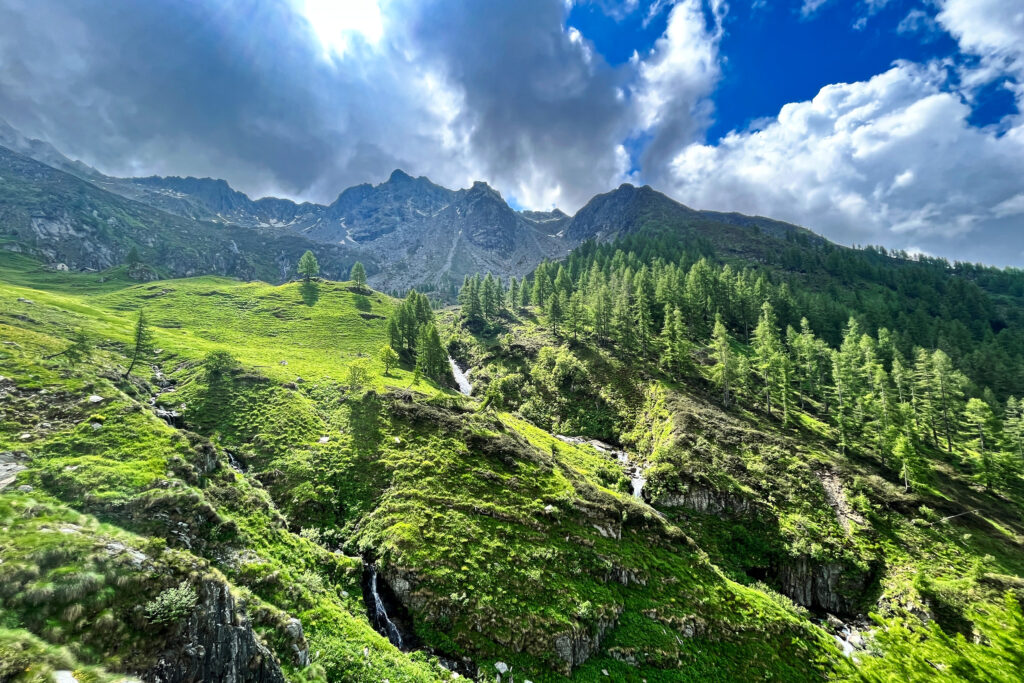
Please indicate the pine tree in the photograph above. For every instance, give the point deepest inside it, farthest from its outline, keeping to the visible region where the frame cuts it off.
(575, 315)
(555, 311)
(308, 266)
(905, 455)
(768, 356)
(642, 323)
(947, 388)
(489, 298)
(143, 342)
(1013, 428)
(513, 294)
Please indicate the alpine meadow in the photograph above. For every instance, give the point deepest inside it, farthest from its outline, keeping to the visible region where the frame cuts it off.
(415, 433)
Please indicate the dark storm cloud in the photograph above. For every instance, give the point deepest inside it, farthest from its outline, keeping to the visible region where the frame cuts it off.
(166, 85)
(542, 110)
(242, 90)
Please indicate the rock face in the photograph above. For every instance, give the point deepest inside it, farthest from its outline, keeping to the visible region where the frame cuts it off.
(822, 586)
(64, 220)
(706, 500)
(216, 643)
(578, 645)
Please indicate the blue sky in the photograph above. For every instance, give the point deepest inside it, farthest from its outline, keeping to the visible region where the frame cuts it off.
(892, 122)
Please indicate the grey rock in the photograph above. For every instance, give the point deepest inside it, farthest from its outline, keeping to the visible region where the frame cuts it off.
(216, 643)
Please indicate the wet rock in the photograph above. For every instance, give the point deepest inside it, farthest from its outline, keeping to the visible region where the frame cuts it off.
(216, 643)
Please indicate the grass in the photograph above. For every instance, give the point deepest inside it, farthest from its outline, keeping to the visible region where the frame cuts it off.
(505, 543)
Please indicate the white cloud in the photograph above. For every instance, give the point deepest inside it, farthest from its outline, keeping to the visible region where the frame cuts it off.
(891, 160)
(336, 24)
(994, 31)
(675, 80)
(920, 22)
(809, 7)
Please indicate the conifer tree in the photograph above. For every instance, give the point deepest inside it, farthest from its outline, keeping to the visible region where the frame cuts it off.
(1013, 428)
(142, 340)
(358, 275)
(979, 427)
(905, 455)
(768, 357)
(431, 359)
(555, 311)
(513, 294)
(642, 323)
(723, 372)
(308, 266)
(575, 315)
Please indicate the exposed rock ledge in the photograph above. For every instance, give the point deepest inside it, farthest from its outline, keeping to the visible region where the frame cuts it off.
(215, 643)
(705, 500)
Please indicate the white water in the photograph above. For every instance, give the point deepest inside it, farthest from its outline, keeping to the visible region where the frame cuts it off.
(393, 633)
(632, 470)
(461, 378)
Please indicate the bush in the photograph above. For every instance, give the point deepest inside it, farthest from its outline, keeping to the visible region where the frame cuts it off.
(172, 605)
(218, 363)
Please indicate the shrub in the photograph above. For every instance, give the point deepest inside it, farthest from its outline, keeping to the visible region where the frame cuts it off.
(218, 363)
(172, 605)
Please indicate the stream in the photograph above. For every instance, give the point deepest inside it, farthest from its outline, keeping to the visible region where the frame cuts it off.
(379, 615)
(166, 386)
(461, 378)
(632, 470)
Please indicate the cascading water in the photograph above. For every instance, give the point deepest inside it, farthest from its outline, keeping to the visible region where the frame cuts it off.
(380, 615)
(461, 377)
(635, 473)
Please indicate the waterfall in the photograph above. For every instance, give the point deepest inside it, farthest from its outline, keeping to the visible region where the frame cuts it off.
(381, 613)
(460, 378)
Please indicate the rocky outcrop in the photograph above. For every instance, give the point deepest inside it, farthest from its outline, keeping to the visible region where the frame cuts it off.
(215, 643)
(577, 645)
(828, 586)
(706, 501)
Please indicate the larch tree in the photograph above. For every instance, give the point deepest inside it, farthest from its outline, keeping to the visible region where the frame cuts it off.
(308, 266)
(723, 372)
(358, 275)
(142, 339)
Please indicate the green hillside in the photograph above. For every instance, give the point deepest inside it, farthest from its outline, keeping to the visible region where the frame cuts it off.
(260, 465)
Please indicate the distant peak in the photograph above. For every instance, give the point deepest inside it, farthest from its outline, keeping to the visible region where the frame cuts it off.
(398, 175)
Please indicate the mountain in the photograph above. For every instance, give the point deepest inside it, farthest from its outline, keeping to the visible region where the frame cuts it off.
(73, 224)
(412, 232)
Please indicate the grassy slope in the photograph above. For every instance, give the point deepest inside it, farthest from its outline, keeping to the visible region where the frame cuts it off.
(450, 503)
(771, 481)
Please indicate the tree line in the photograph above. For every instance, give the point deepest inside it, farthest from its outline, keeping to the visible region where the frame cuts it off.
(880, 391)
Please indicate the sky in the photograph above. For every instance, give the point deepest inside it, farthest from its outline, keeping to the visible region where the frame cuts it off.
(888, 122)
